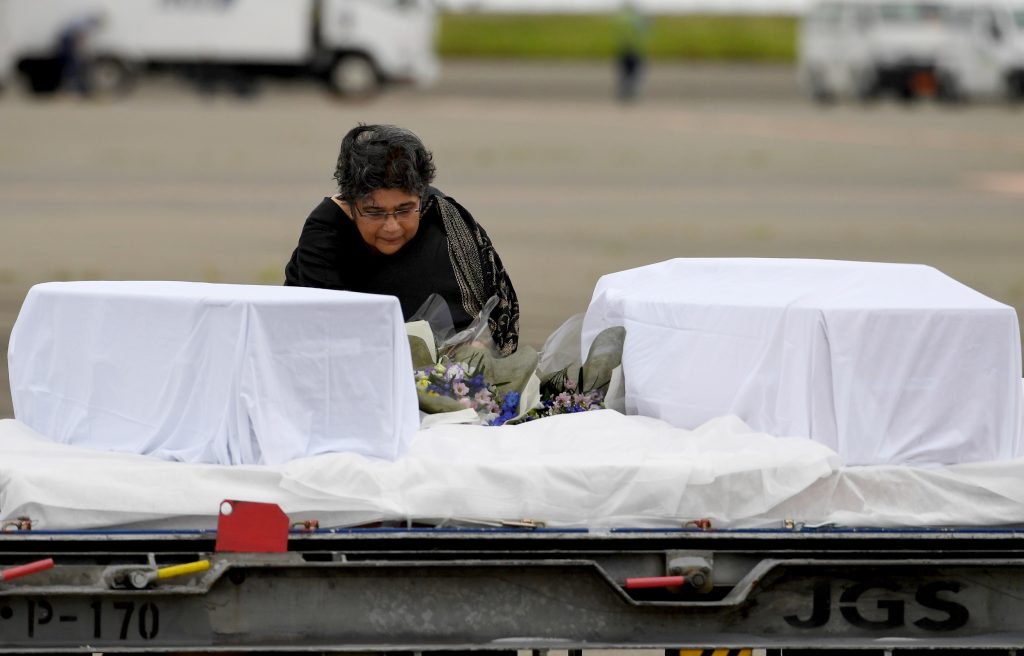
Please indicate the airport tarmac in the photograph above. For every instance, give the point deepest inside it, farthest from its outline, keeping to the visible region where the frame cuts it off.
(714, 161)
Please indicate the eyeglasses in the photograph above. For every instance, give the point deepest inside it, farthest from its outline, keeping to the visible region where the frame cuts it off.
(380, 216)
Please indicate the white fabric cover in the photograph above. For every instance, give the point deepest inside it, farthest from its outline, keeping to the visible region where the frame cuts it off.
(229, 374)
(592, 470)
(595, 469)
(884, 363)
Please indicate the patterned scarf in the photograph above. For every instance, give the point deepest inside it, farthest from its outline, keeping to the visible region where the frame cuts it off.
(480, 274)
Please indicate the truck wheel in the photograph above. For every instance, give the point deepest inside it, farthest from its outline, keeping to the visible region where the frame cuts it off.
(1015, 87)
(43, 75)
(354, 76)
(947, 89)
(866, 86)
(109, 77)
(820, 92)
(906, 94)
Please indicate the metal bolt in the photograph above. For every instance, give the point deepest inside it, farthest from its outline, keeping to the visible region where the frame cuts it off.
(139, 579)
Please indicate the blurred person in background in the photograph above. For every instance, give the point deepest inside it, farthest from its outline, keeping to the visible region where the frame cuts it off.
(73, 47)
(633, 27)
(387, 231)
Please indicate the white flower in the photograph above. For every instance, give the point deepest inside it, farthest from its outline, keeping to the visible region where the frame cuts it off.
(455, 370)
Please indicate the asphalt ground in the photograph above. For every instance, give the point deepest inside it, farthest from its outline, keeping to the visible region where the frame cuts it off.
(713, 161)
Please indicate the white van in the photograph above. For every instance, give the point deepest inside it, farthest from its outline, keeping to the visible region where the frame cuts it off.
(985, 55)
(865, 49)
(352, 45)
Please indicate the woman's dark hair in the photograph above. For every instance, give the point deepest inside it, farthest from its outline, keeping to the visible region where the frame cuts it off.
(382, 157)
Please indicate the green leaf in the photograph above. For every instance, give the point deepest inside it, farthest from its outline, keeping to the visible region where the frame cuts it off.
(420, 353)
(605, 354)
(434, 403)
(507, 373)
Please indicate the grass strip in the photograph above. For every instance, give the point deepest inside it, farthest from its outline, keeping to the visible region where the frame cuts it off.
(590, 36)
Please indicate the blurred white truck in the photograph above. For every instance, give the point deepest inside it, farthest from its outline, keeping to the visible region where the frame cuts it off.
(864, 49)
(352, 45)
(985, 54)
(949, 50)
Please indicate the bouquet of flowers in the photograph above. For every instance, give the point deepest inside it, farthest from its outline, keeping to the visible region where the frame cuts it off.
(455, 372)
(564, 398)
(459, 371)
(451, 385)
(595, 384)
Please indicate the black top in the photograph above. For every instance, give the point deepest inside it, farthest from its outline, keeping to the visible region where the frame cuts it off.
(331, 254)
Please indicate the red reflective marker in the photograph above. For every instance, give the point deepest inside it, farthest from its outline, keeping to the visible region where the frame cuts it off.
(655, 582)
(251, 527)
(25, 570)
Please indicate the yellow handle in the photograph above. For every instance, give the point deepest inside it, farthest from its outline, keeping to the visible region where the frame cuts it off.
(182, 570)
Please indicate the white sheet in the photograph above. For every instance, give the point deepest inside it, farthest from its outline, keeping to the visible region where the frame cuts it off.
(594, 470)
(884, 363)
(228, 374)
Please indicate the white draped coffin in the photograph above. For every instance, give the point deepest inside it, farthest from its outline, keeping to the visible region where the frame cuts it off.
(884, 363)
(228, 374)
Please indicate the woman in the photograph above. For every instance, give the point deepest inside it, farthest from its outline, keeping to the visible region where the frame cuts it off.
(387, 231)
